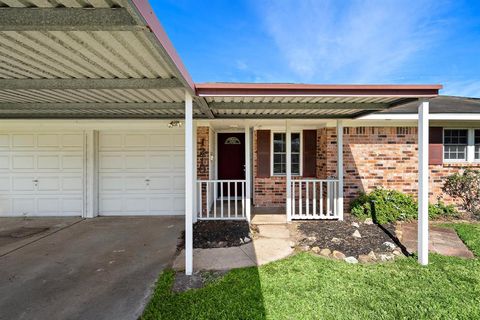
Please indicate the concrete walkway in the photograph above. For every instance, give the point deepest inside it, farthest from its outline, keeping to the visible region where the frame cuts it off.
(272, 243)
(444, 241)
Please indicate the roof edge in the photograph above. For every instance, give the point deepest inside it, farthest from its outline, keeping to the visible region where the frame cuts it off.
(403, 90)
(153, 23)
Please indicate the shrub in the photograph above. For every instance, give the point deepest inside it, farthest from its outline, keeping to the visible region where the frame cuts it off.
(465, 186)
(383, 206)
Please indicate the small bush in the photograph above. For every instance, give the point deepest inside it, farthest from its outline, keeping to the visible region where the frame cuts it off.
(385, 206)
(466, 187)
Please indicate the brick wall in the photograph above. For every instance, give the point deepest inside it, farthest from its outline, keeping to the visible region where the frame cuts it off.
(373, 157)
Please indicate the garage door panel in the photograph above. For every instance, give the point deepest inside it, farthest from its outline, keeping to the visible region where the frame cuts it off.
(48, 162)
(110, 161)
(4, 183)
(139, 173)
(41, 174)
(72, 162)
(23, 140)
(135, 162)
(4, 162)
(23, 162)
(23, 183)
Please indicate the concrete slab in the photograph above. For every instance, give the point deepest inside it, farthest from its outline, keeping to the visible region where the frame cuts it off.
(279, 231)
(103, 268)
(18, 232)
(272, 243)
(444, 241)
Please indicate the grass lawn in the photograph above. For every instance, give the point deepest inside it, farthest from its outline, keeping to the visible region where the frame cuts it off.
(309, 287)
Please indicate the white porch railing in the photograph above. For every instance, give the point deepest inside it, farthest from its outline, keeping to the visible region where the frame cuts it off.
(314, 199)
(221, 199)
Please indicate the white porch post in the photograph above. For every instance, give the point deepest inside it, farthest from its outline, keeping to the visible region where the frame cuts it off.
(340, 168)
(423, 182)
(188, 184)
(91, 185)
(288, 142)
(248, 178)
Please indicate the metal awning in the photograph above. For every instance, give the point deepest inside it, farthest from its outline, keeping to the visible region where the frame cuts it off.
(88, 58)
(113, 59)
(305, 101)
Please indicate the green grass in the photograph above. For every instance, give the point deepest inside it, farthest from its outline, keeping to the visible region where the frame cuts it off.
(309, 287)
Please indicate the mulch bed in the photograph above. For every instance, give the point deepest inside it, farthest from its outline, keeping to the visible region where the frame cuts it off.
(218, 234)
(321, 233)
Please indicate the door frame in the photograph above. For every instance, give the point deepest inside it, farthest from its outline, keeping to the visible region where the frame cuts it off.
(233, 130)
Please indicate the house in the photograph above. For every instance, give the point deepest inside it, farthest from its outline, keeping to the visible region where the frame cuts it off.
(100, 117)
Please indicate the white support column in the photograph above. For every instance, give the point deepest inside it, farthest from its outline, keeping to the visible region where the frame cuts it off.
(423, 182)
(248, 177)
(288, 142)
(91, 174)
(194, 169)
(340, 168)
(188, 184)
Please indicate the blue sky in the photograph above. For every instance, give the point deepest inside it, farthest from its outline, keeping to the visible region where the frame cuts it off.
(328, 41)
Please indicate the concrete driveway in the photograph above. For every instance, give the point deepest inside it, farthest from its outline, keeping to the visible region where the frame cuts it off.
(102, 268)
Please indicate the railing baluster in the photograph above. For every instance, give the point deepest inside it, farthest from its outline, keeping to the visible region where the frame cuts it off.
(307, 198)
(293, 198)
(300, 192)
(328, 198)
(243, 199)
(321, 198)
(228, 198)
(207, 200)
(221, 199)
(200, 197)
(236, 199)
(314, 201)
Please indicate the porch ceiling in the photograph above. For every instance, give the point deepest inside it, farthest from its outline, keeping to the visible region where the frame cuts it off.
(284, 101)
(88, 59)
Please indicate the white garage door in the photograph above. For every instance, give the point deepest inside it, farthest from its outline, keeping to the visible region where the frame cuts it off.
(141, 173)
(41, 174)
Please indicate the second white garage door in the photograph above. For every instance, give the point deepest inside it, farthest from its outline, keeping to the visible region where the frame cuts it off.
(141, 173)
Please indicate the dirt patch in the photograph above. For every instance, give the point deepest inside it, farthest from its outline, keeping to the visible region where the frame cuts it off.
(219, 234)
(197, 280)
(339, 236)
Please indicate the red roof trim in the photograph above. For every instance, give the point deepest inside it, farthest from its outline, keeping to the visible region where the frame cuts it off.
(154, 24)
(315, 89)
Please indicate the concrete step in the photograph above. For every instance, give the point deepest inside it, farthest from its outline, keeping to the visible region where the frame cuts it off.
(269, 219)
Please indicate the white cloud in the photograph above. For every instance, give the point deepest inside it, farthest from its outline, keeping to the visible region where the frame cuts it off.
(362, 41)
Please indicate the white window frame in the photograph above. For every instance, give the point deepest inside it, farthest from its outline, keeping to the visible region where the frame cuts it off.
(470, 150)
(300, 132)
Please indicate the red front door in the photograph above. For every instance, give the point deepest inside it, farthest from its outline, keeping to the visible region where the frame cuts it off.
(231, 160)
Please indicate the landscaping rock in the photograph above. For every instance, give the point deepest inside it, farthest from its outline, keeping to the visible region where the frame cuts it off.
(368, 221)
(356, 234)
(387, 257)
(292, 244)
(372, 256)
(315, 250)
(336, 240)
(351, 260)
(325, 252)
(365, 258)
(304, 248)
(338, 255)
(355, 224)
(247, 240)
(397, 252)
(388, 246)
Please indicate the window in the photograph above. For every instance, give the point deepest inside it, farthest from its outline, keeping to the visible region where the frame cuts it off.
(477, 144)
(455, 142)
(280, 153)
